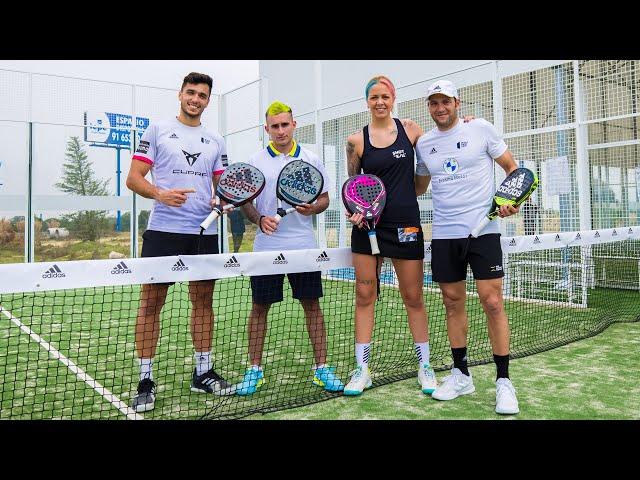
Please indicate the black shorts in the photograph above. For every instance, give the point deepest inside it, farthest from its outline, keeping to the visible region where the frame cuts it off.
(267, 289)
(406, 243)
(450, 257)
(166, 244)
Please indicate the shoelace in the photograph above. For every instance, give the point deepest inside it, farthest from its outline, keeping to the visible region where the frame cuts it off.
(505, 387)
(428, 372)
(357, 374)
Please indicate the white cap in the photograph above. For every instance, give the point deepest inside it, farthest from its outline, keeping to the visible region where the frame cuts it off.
(445, 87)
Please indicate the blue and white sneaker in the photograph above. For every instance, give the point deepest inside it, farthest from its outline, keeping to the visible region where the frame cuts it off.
(360, 380)
(324, 377)
(427, 379)
(251, 382)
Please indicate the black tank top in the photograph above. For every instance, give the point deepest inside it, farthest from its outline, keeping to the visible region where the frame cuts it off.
(395, 167)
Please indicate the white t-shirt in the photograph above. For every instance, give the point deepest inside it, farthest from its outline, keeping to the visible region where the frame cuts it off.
(182, 157)
(295, 231)
(460, 162)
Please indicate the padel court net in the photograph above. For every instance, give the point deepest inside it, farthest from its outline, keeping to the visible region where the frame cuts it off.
(67, 329)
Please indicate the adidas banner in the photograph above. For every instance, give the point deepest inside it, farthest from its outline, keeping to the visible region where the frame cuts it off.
(568, 239)
(45, 276)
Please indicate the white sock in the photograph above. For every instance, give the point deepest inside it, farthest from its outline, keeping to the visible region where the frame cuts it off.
(256, 367)
(422, 351)
(362, 354)
(146, 365)
(322, 365)
(203, 362)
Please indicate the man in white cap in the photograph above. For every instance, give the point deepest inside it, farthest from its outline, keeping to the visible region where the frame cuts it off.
(457, 158)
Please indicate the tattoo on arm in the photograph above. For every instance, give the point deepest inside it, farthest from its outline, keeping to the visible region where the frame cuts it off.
(353, 161)
(251, 213)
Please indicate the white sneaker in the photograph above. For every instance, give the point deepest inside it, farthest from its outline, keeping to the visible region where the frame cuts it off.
(360, 380)
(427, 379)
(454, 385)
(506, 401)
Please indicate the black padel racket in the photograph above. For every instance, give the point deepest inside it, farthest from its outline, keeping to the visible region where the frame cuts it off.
(365, 194)
(299, 183)
(514, 190)
(240, 183)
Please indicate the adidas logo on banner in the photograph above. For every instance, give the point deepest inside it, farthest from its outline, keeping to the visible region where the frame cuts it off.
(614, 234)
(232, 262)
(179, 266)
(53, 272)
(597, 235)
(120, 269)
(578, 237)
(536, 240)
(557, 237)
(173, 135)
(280, 260)
(323, 257)
(512, 243)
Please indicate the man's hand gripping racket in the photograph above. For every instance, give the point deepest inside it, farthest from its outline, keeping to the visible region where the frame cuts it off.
(240, 183)
(513, 191)
(299, 184)
(366, 195)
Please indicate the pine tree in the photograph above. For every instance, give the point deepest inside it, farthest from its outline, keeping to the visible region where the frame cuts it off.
(78, 178)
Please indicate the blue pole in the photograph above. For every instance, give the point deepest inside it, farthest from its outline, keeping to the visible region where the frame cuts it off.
(118, 186)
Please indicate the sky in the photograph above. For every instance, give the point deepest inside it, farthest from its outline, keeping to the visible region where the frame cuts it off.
(227, 74)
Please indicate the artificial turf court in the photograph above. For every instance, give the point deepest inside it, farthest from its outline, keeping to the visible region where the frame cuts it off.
(94, 372)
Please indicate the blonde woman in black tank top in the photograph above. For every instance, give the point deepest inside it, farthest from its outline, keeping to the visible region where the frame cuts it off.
(385, 148)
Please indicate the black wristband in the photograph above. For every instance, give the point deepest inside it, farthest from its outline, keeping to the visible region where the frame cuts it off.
(260, 223)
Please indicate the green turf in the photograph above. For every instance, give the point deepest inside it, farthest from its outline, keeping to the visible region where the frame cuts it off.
(594, 378)
(94, 328)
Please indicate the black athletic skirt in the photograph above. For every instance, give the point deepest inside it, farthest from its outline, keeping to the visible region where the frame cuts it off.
(406, 243)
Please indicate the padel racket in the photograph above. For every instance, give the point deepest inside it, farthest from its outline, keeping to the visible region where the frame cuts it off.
(366, 194)
(514, 190)
(239, 183)
(299, 183)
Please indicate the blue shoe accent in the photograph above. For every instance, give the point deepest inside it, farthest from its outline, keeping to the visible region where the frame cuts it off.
(325, 377)
(252, 380)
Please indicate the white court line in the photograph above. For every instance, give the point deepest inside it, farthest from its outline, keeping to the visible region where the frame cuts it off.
(81, 374)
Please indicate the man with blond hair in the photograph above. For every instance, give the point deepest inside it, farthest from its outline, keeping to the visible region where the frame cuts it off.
(294, 231)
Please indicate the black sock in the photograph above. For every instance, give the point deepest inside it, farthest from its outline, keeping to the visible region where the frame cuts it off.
(502, 366)
(460, 359)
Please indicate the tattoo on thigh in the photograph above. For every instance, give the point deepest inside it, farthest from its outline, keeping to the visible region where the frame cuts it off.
(366, 282)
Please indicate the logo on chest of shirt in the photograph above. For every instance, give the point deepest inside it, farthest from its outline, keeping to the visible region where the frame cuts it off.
(450, 166)
(191, 157)
(462, 144)
(173, 135)
(433, 150)
(399, 153)
(205, 140)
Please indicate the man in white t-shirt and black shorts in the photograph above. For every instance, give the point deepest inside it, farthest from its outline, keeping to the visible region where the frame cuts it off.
(458, 159)
(295, 231)
(185, 160)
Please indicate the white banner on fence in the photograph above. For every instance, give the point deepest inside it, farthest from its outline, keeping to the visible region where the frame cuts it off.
(558, 180)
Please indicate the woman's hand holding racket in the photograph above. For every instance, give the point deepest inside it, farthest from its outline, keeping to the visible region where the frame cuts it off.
(364, 197)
